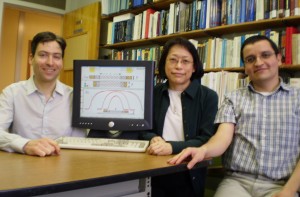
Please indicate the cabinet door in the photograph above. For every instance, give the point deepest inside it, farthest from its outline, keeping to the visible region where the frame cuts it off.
(90, 16)
(69, 24)
(79, 21)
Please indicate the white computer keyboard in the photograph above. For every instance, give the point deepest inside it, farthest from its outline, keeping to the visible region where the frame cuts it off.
(105, 144)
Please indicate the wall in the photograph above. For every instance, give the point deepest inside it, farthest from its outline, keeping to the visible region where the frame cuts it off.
(74, 4)
(24, 20)
(19, 24)
(27, 5)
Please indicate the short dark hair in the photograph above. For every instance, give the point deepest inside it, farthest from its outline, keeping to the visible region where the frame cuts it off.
(256, 38)
(47, 36)
(188, 46)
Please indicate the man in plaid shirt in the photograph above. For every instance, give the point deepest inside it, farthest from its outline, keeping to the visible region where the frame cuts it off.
(259, 128)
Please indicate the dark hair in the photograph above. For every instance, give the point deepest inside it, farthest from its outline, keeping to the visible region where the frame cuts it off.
(256, 38)
(47, 36)
(188, 46)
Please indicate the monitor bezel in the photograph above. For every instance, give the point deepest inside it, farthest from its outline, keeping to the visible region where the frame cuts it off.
(119, 124)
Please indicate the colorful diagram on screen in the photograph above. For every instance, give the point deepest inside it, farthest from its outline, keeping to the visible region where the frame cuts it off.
(112, 92)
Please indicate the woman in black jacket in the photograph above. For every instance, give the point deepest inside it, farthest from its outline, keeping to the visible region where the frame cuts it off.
(184, 113)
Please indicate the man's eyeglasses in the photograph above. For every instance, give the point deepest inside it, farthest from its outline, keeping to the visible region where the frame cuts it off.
(252, 58)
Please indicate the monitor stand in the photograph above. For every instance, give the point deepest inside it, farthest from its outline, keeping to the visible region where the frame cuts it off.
(114, 134)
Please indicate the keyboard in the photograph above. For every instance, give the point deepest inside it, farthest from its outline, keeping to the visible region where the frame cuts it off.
(105, 144)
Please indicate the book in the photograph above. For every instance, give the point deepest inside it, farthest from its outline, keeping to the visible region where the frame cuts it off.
(250, 10)
(156, 24)
(105, 7)
(229, 12)
(203, 14)
(109, 33)
(171, 19)
(267, 9)
(273, 8)
(281, 8)
(282, 45)
(274, 36)
(243, 11)
(288, 51)
(194, 14)
(224, 12)
(287, 11)
(295, 82)
(146, 22)
(194, 42)
(259, 10)
(198, 14)
(123, 17)
(296, 49)
(179, 16)
(297, 7)
(292, 7)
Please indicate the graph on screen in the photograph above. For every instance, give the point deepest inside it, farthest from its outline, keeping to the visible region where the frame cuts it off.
(110, 92)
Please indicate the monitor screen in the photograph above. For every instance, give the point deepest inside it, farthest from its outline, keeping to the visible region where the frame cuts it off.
(113, 95)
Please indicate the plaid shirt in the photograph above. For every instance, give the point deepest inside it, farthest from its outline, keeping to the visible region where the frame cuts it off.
(267, 131)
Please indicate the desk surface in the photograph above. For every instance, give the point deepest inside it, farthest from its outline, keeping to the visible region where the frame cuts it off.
(73, 169)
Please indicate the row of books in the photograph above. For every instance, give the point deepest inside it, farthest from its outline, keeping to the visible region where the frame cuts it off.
(223, 82)
(113, 6)
(182, 17)
(148, 53)
(225, 52)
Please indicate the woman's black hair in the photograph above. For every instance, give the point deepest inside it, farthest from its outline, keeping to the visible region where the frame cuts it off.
(198, 66)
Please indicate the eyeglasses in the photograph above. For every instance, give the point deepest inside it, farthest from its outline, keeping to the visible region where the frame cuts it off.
(252, 58)
(175, 61)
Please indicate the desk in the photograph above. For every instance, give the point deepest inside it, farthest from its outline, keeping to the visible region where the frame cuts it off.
(23, 175)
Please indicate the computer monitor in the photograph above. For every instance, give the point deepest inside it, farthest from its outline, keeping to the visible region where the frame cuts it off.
(113, 96)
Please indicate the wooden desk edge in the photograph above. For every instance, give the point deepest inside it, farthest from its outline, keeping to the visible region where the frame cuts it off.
(73, 185)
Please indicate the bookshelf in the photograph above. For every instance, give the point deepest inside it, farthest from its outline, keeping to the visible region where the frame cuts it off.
(227, 31)
(213, 32)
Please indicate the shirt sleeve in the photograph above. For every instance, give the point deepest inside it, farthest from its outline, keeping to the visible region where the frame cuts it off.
(9, 142)
(226, 112)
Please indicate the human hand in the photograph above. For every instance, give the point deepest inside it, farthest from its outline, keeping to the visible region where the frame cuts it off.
(197, 155)
(158, 146)
(42, 147)
(156, 139)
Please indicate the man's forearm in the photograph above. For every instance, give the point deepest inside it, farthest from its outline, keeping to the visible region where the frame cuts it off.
(293, 184)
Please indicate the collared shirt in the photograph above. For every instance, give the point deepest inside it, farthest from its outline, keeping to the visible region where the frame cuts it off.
(266, 139)
(25, 114)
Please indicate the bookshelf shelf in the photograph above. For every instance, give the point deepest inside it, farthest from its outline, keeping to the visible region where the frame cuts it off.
(212, 32)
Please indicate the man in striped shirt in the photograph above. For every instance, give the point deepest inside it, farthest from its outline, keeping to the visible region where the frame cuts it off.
(259, 130)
